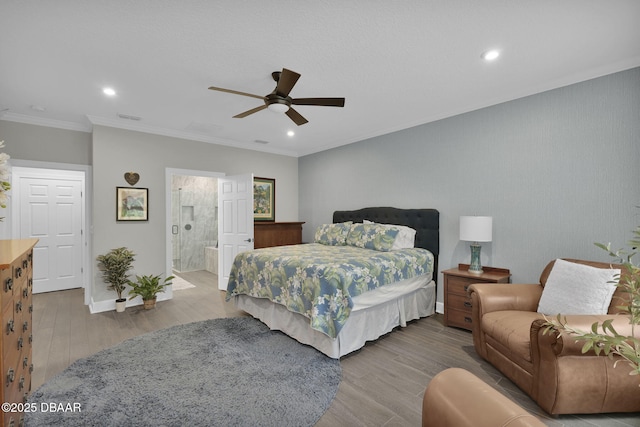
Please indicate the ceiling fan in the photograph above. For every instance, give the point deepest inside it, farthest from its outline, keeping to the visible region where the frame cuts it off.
(280, 101)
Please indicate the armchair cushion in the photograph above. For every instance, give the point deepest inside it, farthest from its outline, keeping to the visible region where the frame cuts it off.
(573, 288)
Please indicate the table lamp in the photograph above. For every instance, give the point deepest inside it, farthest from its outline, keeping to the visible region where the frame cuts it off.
(476, 229)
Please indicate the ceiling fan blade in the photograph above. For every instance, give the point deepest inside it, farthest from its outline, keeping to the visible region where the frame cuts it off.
(296, 117)
(236, 92)
(325, 102)
(286, 82)
(253, 110)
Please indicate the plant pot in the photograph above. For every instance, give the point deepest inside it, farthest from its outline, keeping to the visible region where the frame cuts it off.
(149, 304)
(121, 304)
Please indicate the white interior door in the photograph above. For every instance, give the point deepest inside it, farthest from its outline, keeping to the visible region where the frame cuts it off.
(235, 223)
(51, 211)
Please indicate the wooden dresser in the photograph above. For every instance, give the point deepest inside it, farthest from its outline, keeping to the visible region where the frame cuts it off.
(16, 280)
(267, 234)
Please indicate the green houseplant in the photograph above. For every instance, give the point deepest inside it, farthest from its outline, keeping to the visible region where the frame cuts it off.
(603, 337)
(148, 287)
(115, 266)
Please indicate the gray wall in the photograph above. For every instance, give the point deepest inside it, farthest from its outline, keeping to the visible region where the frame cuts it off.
(45, 144)
(116, 151)
(557, 171)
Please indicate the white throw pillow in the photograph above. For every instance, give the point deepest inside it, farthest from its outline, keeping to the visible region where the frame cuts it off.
(573, 288)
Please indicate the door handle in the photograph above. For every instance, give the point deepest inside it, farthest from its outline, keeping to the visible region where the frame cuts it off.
(174, 229)
(249, 240)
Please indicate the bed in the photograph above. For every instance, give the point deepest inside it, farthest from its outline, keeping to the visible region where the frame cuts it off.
(330, 304)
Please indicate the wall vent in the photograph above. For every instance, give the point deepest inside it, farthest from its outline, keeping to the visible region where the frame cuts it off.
(261, 141)
(128, 117)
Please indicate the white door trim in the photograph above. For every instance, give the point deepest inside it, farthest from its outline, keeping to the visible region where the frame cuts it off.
(87, 265)
(168, 294)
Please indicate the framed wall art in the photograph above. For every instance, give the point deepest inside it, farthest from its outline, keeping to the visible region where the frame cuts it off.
(264, 199)
(132, 204)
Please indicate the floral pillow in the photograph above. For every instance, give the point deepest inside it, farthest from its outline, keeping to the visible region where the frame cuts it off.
(333, 234)
(406, 235)
(372, 236)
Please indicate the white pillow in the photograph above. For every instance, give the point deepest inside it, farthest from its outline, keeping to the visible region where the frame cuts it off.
(405, 239)
(577, 289)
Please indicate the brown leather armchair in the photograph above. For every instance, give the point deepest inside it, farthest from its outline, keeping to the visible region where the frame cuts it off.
(457, 398)
(552, 370)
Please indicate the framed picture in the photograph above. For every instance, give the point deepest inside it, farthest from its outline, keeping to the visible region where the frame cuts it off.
(264, 199)
(132, 204)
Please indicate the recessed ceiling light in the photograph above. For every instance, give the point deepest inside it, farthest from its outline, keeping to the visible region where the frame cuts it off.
(291, 133)
(490, 55)
(108, 91)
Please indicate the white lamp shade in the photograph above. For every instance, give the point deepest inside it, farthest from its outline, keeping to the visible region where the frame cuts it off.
(476, 228)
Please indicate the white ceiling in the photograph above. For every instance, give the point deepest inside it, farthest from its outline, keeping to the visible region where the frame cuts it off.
(397, 63)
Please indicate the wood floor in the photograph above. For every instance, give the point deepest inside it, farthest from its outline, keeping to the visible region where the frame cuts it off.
(382, 384)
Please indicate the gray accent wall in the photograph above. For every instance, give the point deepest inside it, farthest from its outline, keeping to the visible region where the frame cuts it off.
(558, 171)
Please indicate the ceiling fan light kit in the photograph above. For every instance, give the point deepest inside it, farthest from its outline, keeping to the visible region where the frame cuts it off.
(279, 100)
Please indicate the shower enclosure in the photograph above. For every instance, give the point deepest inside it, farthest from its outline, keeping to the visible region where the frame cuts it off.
(194, 215)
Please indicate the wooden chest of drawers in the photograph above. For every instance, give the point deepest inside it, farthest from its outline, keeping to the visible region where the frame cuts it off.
(16, 281)
(457, 304)
(268, 234)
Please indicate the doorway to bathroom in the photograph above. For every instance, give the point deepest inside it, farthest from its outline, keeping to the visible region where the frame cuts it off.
(194, 222)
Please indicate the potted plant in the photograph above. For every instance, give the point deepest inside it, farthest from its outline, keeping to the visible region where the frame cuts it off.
(148, 287)
(603, 337)
(115, 266)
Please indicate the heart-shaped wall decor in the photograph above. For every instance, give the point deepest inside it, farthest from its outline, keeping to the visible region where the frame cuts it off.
(131, 177)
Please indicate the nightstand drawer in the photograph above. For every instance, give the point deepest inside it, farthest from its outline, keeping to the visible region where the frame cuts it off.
(459, 318)
(459, 285)
(459, 302)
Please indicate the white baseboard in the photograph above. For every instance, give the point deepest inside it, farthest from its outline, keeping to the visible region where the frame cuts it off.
(110, 305)
(440, 307)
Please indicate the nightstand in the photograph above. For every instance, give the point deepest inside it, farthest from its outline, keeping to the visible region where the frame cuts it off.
(457, 304)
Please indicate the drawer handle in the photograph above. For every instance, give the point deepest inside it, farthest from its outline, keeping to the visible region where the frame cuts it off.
(31, 339)
(25, 362)
(8, 284)
(18, 306)
(467, 304)
(18, 272)
(10, 326)
(30, 282)
(25, 326)
(21, 383)
(467, 319)
(25, 264)
(25, 292)
(31, 368)
(11, 375)
(31, 308)
(20, 343)
(466, 287)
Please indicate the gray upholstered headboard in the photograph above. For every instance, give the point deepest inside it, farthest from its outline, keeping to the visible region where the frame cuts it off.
(426, 222)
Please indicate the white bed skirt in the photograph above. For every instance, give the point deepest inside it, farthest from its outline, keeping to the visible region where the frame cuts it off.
(366, 322)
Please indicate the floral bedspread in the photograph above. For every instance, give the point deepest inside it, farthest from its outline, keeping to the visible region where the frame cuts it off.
(319, 281)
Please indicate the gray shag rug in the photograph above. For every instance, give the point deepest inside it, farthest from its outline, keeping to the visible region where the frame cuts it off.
(220, 372)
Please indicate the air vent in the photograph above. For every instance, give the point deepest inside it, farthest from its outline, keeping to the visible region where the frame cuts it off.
(128, 117)
(261, 141)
